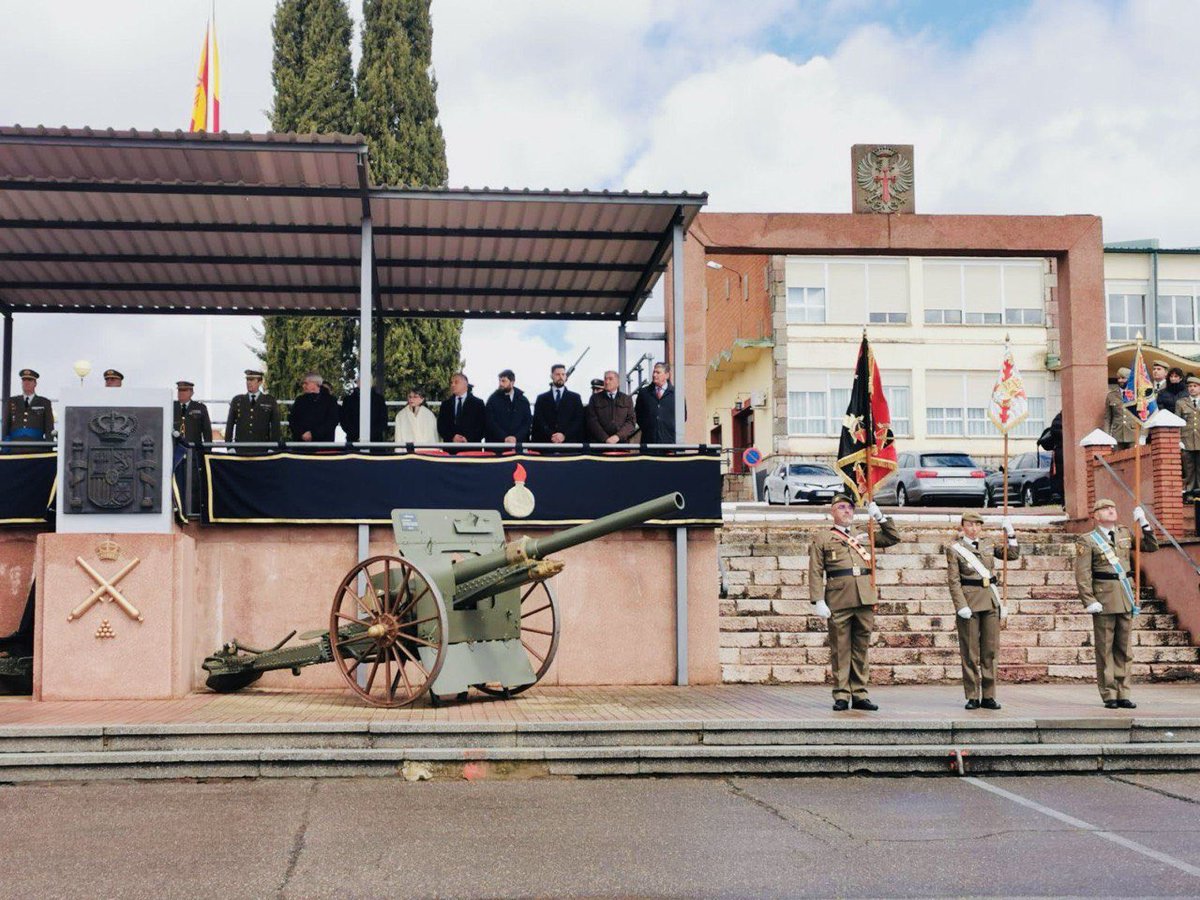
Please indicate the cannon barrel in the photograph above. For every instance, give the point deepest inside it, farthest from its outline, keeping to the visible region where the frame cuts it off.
(539, 548)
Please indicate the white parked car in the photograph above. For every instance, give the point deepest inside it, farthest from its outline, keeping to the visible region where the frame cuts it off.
(801, 483)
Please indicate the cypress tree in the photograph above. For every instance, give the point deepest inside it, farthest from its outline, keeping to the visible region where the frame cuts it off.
(396, 109)
(314, 93)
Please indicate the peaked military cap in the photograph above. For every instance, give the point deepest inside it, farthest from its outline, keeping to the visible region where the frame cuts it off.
(113, 373)
(184, 384)
(972, 517)
(1103, 503)
(597, 382)
(253, 373)
(841, 496)
(1192, 379)
(29, 373)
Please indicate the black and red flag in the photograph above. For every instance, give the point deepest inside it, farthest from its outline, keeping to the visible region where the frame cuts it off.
(867, 449)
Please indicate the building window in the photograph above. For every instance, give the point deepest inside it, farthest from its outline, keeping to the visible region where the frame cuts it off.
(805, 304)
(1176, 317)
(806, 412)
(814, 395)
(1126, 316)
(888, 318)
(984, 292)
(958, 405)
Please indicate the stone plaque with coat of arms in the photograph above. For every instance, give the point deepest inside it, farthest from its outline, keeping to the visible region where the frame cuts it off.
(114, 460)
(881, 178)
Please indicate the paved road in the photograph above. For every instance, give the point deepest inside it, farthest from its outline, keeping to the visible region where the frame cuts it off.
(1136, 836)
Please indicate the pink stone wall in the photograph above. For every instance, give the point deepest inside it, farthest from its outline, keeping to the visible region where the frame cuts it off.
(17, 549)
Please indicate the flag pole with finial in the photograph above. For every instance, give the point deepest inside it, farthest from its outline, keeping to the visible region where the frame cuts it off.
(869, 438)
(1137, 471)
(1004, 561)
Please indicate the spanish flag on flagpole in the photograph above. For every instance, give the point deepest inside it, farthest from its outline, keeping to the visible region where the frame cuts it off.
(200, 100)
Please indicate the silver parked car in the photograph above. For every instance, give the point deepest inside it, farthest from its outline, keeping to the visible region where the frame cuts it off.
(801, 482)
(951, 479)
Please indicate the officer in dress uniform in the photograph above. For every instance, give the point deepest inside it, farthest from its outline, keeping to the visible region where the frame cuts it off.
(1104, 576)
(970, 573)
(191, 416)
(1188, 409)
(253, 416)
(28, 416)
(839, 578)
(1119, 422)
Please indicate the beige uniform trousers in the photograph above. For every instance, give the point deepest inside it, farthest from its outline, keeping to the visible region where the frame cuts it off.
(978, 640)
(1111, 633)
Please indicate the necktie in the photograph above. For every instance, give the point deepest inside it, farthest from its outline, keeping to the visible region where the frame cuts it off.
(612, 396)
(28, 405)
(253, 400)
(658, 393)
(457, 407)
(557, 396)
(1112, 538)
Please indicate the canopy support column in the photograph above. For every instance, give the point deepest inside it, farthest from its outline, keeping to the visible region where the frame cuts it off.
(677, 380)
(364, 364)
(622, 352)
(6, 378)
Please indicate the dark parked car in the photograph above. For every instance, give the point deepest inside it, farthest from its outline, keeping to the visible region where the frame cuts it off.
(803, 482)
(942, 478)
(1029, 481)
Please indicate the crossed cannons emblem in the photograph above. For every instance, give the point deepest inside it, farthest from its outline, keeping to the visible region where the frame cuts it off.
(106, 590)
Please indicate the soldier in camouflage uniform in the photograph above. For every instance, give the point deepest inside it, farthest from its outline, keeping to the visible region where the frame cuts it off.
(1119, 421)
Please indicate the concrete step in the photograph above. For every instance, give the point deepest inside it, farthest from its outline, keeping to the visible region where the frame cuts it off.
(421, 763)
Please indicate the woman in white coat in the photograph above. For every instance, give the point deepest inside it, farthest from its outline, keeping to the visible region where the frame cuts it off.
(416, 423)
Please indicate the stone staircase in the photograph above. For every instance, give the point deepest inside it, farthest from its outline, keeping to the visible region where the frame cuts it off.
(768, 634)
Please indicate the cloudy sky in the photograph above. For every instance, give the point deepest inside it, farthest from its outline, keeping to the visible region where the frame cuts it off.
(1061, 106)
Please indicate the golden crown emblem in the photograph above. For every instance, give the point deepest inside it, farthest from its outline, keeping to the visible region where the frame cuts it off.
(109, 550)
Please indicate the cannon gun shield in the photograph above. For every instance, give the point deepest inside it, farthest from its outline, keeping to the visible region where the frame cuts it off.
(539, 635)
(388, 631)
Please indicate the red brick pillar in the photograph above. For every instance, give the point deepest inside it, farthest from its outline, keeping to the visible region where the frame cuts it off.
(1095, 444)
(1167, 467)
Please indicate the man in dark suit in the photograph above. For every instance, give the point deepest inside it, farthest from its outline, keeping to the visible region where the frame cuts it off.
(314, 415)
(508, 416)
(253, 416)
(378, 415)
(655, 407)
(461, 418)
(558, 413)
(609, 415)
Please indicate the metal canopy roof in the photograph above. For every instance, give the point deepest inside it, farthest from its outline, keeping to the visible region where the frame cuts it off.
(271, 224)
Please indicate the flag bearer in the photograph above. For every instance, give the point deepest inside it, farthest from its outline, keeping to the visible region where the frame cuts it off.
(839, 578)
(971, 575)
(1102, 573)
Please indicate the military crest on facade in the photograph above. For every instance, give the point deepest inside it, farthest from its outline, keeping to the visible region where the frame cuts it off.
(114, 460)
(883, 178)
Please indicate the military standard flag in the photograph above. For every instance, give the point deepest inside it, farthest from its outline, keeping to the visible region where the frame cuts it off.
(1138, 391)
(199, 120)
(867, 449)
(216, 78)
(1009, 406)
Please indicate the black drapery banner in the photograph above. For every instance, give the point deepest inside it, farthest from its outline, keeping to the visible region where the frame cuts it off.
(355, 489)
(26, 487)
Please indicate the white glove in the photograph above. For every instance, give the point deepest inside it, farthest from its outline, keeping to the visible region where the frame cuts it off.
(965, 612)
(1007, 525)
(1139, 516)
(875, 512)
(822, 609)
(1094, 607)
(1003, 613)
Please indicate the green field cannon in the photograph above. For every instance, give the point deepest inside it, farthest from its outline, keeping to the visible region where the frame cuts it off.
(456, 608)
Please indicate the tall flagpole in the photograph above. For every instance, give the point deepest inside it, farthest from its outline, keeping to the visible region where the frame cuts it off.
(870, 437)
(1137, 473)
(1004, 561)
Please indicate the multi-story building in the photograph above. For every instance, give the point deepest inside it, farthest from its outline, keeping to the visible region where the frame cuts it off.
(783, 330)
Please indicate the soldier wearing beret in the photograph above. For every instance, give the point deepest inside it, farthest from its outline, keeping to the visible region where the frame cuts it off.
(253, 416)
(28, 416)
(113, 378)
(839, 578)
(970, 573)
(1119, 422)
(1104, 577)
(1188, 409)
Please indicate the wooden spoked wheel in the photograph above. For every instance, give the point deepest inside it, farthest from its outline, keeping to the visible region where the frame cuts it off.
(380, 626)
(539, 634)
